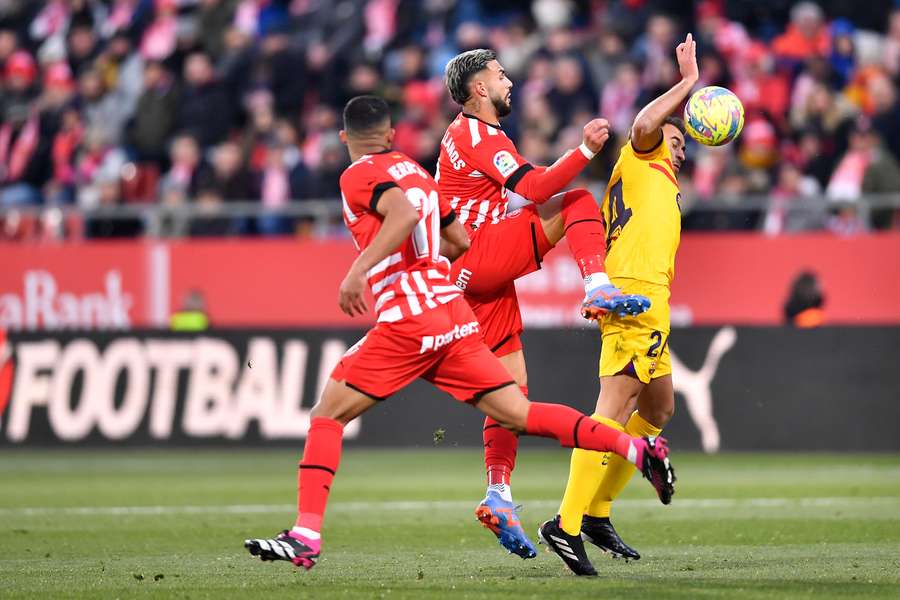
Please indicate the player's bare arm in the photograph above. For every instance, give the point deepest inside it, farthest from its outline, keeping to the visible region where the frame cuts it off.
(647, 128)
(400, 218)
(454, 240)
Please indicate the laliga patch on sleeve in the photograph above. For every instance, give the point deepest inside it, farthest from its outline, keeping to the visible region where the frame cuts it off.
(505, 163)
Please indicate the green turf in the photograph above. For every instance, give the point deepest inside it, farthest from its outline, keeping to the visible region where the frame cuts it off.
(741, 526)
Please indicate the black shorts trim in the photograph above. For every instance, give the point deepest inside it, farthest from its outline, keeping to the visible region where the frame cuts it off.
(517, 176)
(503, 341)
(372, 396)
(583, 221)
(316, 467)
(377, 191)
(448, 219)
(534, 246)
(482, 393)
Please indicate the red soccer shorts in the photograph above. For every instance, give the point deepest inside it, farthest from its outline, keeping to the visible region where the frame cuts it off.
(501, 253)
(443, 346)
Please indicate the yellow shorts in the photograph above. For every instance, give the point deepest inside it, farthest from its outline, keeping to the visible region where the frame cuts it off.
(641, 341)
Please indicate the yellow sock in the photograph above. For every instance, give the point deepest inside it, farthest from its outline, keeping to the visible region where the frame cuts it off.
(619, 471)
(585, 473)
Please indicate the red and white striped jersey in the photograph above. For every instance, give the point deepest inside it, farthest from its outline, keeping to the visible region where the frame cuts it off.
(478, 166)
(415, 277)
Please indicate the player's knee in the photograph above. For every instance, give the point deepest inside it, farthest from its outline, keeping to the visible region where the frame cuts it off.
(579, 197)
(661, 415)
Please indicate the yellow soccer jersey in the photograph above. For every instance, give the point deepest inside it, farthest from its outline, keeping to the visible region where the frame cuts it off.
(642, 213)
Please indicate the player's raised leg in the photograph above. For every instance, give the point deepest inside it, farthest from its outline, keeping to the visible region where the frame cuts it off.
(302, 543)
(655, 407)
(575, 215)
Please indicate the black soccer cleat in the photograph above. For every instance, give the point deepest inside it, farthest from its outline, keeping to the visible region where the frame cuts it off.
(569, 548)
(656, 468)
(295, 549)
(600, 532)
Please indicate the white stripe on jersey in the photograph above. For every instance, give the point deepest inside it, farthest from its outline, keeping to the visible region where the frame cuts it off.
(351, 218)
(473, 131)
(385, 297)
(380, 285)
(414, 307)
(464, 213)
(482, 213)
(391, 260)
(444, 289)
(454, 202)
(391, 315)
(492, 130)
(447, 298)
(475, 174)
(423, 288)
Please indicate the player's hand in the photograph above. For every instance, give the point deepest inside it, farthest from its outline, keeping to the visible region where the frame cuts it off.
(595, 134)
(610, 299)
(686, 54)
(352, 298)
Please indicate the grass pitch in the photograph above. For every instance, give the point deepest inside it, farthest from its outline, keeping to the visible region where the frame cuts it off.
(170, 524)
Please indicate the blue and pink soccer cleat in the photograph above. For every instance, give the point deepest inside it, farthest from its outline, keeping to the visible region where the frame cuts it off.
(500, 517)
(608, 298)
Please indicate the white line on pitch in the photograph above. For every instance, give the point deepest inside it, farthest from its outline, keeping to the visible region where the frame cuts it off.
(687, 503)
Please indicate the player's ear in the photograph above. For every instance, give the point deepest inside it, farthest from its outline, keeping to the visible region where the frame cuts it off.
(390, 136)
(343, 136)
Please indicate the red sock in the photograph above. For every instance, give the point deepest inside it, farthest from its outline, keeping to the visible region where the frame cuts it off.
(575, 430)
(584, 230)
(500, 446)
(321, 457)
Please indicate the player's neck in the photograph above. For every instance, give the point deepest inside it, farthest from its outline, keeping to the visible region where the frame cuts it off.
(360, 149)
(483, 112)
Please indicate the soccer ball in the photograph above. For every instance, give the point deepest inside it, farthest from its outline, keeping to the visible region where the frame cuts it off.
(714, 116)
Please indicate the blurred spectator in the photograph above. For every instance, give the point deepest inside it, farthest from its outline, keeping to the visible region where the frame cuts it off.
(19, 74)
(180, 182)
(796, 203)
(100, 224)
(214, 18)
(160, 38)
(803, 307)
(886, 112)
(806, 35)
(204, 108)
(155, 115)
(191, 317)
(228, 177)
(209, 220)
(571, 92)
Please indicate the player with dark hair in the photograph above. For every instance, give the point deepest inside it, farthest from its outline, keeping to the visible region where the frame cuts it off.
(481, 172)
(424, 329)
(642, 212)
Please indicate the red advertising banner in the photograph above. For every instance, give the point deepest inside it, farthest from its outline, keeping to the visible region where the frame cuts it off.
(720, 278)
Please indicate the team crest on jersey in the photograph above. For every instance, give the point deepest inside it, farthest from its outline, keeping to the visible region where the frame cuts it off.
(505, 163)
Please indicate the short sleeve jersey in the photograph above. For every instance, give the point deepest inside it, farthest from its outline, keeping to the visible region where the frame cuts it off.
(414, 278)
(642, 215)
(478, 167)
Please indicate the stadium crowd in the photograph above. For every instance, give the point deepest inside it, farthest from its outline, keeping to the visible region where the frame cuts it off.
(119, 102)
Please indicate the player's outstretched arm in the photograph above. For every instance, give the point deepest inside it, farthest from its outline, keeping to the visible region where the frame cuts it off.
(400, 218)
(646, 131)
(540, 184)
(454, 240)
